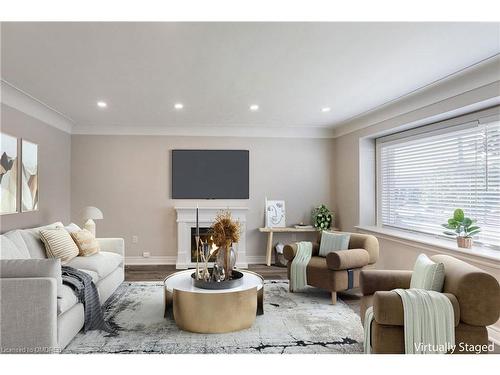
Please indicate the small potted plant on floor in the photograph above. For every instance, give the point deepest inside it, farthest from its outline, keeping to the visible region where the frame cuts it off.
(463, 228)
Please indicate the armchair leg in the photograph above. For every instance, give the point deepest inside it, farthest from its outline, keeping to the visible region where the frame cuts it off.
(334, 298)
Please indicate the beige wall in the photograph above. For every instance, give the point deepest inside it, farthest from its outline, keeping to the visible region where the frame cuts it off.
(54, 153)
(353, 188)
(128, 178)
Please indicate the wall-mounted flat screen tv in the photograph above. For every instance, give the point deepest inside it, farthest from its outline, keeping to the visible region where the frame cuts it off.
(210, 174)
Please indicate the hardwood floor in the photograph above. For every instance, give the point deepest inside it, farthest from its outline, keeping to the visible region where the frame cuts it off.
(159, 272)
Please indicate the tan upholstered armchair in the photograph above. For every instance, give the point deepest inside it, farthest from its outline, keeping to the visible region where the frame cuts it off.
(340, 270)
(474, 294)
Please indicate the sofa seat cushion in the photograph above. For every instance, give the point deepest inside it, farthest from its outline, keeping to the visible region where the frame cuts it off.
(103, 263)
(33, 242)
(347, 259)
(93, 275)
(66, 300)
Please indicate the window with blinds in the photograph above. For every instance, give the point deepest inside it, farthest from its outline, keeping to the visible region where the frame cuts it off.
(423, 177)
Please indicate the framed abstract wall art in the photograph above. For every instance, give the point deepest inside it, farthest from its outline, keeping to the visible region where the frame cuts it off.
(275, 214)
(8, 174)
(29, 176)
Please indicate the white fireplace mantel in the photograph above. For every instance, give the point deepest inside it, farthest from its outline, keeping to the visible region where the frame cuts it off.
(186, 219)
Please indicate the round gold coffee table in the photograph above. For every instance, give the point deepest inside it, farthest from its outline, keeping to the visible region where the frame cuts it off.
(213, 311)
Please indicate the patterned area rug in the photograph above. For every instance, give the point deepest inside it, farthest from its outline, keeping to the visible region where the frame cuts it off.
(292, 323)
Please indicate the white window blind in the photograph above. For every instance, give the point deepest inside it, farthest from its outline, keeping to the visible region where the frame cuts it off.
(422, 178)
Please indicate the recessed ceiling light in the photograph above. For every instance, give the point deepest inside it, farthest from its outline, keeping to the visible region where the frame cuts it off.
(102, 104)
(254, 107)
(325, 109)
(178, 105)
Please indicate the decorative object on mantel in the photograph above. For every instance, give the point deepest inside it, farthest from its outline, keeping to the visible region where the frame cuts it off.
(322, 217)
(90, 214)
(29, 180)
(275, 214)
(8, 174)
(463, 228)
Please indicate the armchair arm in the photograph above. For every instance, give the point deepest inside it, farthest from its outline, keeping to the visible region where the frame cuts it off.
(388, 308)
(372, 281)
(112, 245)
(29, 268)
(290, 250)
(347, 259)
(28, 315)
(367, 242)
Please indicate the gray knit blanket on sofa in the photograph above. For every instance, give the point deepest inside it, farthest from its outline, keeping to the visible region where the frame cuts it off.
(87, 294)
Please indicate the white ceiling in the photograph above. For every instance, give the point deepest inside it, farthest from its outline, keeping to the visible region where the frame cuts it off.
(291, 70)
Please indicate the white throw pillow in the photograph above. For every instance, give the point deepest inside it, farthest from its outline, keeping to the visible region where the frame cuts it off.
(427, 274)
(59, 244)
(333, 242)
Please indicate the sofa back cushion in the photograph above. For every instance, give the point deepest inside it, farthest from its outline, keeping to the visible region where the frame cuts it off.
(59, 244)
(33, 242)
(17, 239)
(477, 292)
(72, 227)
(8, 250)
(427, 274)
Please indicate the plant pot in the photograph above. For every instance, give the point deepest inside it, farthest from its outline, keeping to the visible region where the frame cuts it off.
(464, 242)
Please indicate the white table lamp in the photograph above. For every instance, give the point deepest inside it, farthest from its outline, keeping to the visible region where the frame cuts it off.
(89, 215)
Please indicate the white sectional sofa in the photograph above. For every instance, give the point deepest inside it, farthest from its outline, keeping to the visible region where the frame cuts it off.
(37, 312)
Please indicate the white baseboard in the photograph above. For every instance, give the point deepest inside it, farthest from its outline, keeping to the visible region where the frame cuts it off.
(256, 259)
(135, 261)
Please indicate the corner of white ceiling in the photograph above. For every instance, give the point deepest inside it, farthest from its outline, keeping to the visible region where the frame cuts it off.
(24, 102)
(477, 83)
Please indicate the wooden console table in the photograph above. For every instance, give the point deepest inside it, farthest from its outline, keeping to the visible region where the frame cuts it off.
(270, 232)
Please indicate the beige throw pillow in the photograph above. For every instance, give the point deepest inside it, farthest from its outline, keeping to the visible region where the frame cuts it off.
(58, 244)
(86, 242)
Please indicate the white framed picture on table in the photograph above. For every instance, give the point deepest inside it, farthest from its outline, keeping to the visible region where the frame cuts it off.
(275, 214)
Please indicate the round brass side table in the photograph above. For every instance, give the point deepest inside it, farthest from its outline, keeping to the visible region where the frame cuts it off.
(213, 311)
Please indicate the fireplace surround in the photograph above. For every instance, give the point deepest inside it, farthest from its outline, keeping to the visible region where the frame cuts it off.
(186, 220)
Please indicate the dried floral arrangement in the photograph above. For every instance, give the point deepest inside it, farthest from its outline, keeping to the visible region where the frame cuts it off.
(225, 230)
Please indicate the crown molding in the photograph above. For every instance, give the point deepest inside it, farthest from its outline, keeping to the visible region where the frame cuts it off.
(474, 84)
(20, 100)
(209, 131)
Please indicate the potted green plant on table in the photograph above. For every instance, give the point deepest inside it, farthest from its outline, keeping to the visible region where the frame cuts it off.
(322, 217)
(461, 227)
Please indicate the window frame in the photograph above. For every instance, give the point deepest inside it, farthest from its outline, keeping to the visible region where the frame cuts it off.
(463, 122)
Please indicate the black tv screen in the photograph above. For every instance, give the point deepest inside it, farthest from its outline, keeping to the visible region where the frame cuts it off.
(210, 174)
